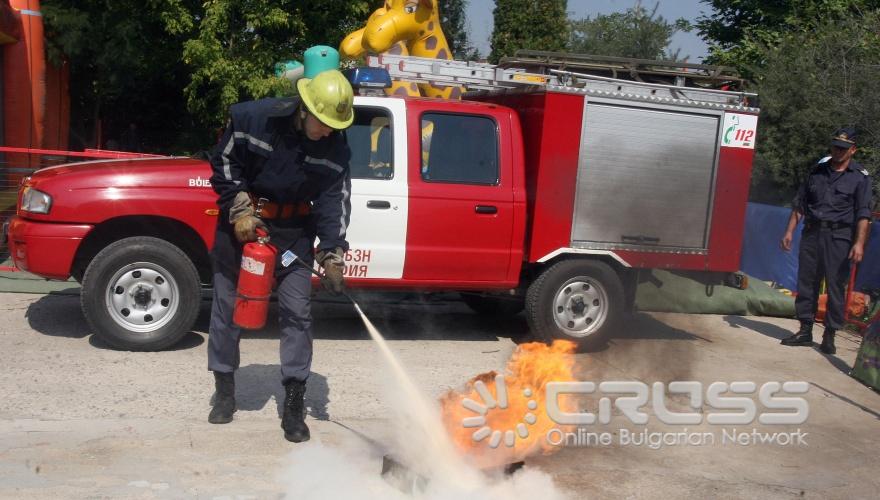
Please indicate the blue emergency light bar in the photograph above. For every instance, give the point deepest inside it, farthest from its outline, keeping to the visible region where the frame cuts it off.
(373, 78)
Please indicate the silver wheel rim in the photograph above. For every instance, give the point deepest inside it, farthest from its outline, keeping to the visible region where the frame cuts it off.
(580, 307)
(142, 297)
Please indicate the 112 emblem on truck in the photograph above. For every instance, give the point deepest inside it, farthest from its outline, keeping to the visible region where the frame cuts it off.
(543, 197)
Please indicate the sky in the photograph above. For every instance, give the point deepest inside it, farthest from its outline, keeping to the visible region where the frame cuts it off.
(479, 18)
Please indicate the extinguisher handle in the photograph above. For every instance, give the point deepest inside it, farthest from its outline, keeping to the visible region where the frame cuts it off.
(262, 233)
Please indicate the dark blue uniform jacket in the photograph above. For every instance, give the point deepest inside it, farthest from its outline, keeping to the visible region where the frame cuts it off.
(261, 153)
(842, 197)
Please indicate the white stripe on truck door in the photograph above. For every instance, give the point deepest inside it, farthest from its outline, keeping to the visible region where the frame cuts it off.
(377, 235)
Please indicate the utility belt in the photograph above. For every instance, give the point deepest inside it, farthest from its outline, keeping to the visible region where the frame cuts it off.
(824, 224)
(270, 210)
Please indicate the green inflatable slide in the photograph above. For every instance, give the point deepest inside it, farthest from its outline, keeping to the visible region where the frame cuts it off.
(867, 367)
(700, 293)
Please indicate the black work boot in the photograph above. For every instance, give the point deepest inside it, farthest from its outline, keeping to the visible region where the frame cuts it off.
(224, 398)
(828, 342)
(294, 419)
(804, 336)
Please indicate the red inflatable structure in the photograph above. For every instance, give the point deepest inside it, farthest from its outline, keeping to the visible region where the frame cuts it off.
(35, 107)
(24, 82)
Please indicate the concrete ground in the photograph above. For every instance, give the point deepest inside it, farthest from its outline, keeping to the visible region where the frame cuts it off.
(80, 420)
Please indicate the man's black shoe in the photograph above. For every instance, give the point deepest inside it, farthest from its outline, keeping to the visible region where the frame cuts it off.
(804, 336)
(294, 419)
(828, 342)
(224, 398)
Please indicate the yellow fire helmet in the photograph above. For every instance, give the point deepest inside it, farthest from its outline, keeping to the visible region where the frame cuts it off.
(329, 97)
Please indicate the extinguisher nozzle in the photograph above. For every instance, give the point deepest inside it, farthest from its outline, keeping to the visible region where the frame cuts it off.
(320, 275)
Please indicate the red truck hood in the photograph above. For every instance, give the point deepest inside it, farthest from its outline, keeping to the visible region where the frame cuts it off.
(90, 192)
(139, 172)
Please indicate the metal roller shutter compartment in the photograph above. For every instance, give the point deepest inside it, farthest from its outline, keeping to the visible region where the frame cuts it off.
(645, 177)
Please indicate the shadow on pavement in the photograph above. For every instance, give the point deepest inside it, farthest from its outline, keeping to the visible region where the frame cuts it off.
(764, 328)
(836, 362)
(397, 316)
(189, 341)
(646, 327)
(256, 385)
(779, 333)
(59, 314)
(849, 401)
(645, 348)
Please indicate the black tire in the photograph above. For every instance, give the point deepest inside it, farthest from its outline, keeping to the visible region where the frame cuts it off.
(585, 314)
(141, 294)
(492, 305)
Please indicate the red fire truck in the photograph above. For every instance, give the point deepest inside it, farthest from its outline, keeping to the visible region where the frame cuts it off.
(545, 191)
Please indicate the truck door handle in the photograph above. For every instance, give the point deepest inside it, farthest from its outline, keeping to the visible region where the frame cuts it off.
(640, 239)
(379, 204)
(486, 209)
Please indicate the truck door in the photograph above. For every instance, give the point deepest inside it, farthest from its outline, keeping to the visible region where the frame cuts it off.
(461, 197)
(377, 232)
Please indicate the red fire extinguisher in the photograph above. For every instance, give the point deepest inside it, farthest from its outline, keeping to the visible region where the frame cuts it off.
(255, 283)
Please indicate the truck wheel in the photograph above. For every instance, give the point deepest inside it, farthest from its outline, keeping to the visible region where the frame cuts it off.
(577, 300)
(141, 294)
(500, 305)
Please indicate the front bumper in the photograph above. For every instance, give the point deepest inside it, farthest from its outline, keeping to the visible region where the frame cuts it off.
(43, 248)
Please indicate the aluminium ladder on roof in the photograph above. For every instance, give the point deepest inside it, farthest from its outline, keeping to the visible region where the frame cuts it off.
(468, 74)
(489, 77)
(678, 73)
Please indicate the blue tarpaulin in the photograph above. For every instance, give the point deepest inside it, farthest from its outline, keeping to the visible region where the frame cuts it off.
(762, 257)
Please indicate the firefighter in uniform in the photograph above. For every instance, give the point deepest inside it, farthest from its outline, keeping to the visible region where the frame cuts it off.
(835, 201)
(281, 165)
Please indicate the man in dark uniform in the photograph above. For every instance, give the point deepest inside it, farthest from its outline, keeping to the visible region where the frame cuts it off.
(836, 203)
(281, 165)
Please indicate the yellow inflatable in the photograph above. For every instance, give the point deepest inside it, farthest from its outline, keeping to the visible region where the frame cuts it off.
(404, 27)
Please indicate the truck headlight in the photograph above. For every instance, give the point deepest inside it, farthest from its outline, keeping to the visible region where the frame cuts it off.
(35, 201)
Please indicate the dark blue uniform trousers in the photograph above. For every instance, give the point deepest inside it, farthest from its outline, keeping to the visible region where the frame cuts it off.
(294, 317)
(824, 252)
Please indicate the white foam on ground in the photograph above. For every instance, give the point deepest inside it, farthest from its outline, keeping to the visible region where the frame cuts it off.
(352, 470)
(314, 471)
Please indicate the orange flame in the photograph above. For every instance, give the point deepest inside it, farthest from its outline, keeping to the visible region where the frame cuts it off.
(500, 411)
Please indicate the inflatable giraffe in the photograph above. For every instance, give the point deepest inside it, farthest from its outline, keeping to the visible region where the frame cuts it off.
(352, 47)
(404, 27)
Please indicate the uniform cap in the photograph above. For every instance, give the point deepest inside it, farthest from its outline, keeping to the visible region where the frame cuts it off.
(844, 137)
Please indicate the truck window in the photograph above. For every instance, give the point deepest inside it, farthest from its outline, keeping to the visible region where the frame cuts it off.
(371, 143)
(459, 149)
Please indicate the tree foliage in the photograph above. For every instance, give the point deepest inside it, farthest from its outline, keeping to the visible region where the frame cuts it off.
(812, 82)
(240, 41)
(636, 32)
(174, 66)
(125, 64)
(738, 30)
(452, 19)
(528, 24)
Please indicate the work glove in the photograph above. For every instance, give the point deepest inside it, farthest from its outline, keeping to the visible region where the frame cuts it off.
(333, 263)
(243, 218)
(246, 228)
